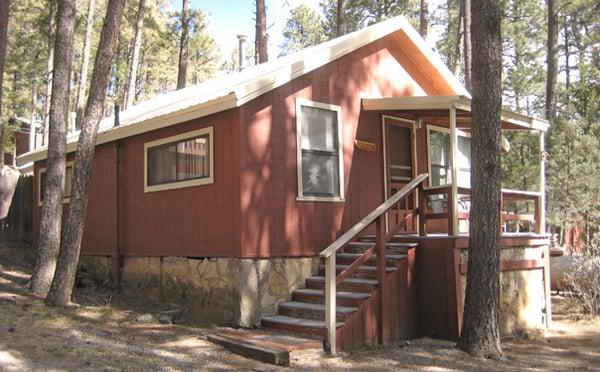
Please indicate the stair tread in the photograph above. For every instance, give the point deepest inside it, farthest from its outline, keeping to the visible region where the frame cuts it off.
(347, 280)
(345, 294)
(364, 268)
(319, 307)
(389, 244)
(301, 322)
(355, 255)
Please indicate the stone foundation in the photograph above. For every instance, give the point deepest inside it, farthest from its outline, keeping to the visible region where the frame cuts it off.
(521, 292)
(222, 291)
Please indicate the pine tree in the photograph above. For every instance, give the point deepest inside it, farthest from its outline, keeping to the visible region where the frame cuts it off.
(480, 335)
(85, 61)
(183, 50)
(4, 15)
(135, 59)
(261, 53)
(303, 28)
(64, 278)
(50, 224)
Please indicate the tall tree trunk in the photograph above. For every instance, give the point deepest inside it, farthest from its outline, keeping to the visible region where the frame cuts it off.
(567, 55)
(467, 44)
(50, 224)
(551, 60)
(341, 25)
(85, 61)
(480, 334)
(260, 43)
(4, 14)
(64, 279)
(424, 19)
(49, 68)
(183, 49)
(458, 47)
(135, 58)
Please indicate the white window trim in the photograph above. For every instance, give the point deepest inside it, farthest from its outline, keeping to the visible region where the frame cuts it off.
(181, 184)
(65, 200)
(308, 103)
(435, 128)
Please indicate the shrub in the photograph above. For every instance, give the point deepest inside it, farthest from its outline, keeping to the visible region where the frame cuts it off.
(584, 282)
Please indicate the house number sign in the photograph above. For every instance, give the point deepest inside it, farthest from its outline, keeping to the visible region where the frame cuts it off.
(365, 146)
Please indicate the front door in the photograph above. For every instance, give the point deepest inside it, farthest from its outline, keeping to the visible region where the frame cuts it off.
(399, 167)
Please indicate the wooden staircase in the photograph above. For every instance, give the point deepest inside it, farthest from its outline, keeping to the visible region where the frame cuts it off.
(305, 313)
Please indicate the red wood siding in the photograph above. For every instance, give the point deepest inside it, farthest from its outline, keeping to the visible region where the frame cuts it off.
(274, 223)
(198, 221)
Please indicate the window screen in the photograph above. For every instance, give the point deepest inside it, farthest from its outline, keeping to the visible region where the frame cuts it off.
(439, 152)
(184, 160)
(320, 152)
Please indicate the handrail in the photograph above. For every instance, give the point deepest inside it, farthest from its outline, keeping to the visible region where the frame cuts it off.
(371, 217)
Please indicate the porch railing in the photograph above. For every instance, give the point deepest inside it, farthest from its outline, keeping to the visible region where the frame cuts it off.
(332, 279)
(506, 195)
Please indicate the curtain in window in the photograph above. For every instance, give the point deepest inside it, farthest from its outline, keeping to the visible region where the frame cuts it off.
(439, 151)
(179, 161)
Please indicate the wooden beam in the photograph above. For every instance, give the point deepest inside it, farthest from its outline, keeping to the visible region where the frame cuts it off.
(453, 197)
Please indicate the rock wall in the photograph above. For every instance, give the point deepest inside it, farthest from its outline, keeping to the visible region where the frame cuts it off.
(222, 291)
(521, 292)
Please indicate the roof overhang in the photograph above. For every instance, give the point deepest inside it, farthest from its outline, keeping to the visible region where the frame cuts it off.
(426, 105)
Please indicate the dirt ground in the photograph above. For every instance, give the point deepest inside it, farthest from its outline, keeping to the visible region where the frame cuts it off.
(104, 333)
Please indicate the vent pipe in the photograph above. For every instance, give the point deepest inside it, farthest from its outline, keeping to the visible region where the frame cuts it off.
(242, 51)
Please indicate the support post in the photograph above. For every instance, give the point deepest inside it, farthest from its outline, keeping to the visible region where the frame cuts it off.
(384, 319)
(453, 207)
(542, 203)
(330, 302)
(422, 211)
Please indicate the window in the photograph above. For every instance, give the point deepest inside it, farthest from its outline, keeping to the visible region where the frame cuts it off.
(320, 161)
(440, 157)
(66, 188)
(180, 161)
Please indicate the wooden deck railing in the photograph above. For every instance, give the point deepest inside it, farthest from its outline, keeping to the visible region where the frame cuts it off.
(506, 194)
(379, 247)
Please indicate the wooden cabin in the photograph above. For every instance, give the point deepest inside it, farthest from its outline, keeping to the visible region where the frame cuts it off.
(323, 193)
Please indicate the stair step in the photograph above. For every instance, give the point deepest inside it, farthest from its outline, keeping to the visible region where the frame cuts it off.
(316, 296)
(346, 258)
(372, 237)
(363, 272)
(350, 284)
(314, 311)
(310, 327)
(392, 248)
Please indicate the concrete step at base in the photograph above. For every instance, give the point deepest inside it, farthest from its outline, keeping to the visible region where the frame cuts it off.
(310, 327)
(307, 310)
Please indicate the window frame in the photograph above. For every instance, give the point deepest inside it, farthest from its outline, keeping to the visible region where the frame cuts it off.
(175, 139)
(435, 128)
(65, 199)
(325, 106)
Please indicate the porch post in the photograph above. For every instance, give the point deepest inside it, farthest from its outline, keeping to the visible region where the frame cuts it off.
(453, 208)
(542, 213)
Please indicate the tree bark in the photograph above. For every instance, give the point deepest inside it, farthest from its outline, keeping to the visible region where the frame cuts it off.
(135, 58)
(342, 25)
(458, 50)
(183, 49)
(260, 43)
(85, 61)
(49, 68)
(551, 60)
(480, 334)
(50, 224)
(64, 278)
(467, 44)
(4, 15)
(424, 19)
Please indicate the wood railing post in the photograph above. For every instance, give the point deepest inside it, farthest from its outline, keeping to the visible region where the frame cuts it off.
(538, 215)
(451, 212)
(330, 302)
(422, 211)
(384, 324)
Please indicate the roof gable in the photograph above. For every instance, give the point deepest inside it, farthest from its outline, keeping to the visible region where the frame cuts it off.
(235, 89)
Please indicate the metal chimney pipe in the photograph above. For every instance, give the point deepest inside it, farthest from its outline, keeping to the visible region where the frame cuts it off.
(242, 51)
